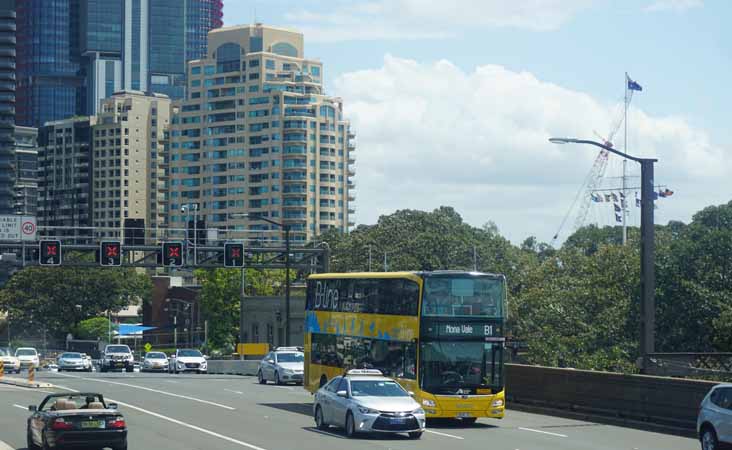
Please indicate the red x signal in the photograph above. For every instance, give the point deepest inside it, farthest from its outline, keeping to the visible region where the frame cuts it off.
(51, 250)
(236, 252)
(112, 251)
(174, 251)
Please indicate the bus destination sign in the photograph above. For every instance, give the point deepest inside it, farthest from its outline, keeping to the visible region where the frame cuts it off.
(471, 330)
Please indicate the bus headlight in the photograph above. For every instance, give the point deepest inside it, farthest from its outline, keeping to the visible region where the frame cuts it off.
(427, 402)
(497, 403)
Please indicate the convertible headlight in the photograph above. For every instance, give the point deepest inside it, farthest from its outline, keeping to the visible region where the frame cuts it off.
(497, 403)
(418, 411)
(365, 410)
(427, 402)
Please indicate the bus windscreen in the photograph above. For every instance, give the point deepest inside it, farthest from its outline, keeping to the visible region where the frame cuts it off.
(463, 297)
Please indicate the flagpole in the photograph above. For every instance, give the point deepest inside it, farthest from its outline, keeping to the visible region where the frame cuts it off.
(625, 163)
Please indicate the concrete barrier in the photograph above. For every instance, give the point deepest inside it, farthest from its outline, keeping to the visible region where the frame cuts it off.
(670, 403)
(233, 367)
(24, 383)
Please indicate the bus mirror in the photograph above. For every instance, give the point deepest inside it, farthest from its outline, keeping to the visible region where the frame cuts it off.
(343, 394)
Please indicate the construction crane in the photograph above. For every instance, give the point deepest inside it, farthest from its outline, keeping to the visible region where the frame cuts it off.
(592, 180)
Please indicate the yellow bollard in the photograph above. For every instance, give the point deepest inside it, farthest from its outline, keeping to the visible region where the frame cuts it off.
(31, 373)
(2, 368)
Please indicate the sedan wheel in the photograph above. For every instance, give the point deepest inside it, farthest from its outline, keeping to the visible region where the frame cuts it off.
(277, 379)
(709, 439)
(260, 377)
(415, 435)
(350, 425)
(319, 420)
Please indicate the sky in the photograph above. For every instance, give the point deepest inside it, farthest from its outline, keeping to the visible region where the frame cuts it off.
(453, 102)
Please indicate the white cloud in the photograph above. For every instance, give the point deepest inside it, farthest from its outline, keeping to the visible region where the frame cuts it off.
(421, 19)
(433, 134)
(673, 5)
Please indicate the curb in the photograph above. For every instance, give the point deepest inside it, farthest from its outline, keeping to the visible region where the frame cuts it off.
(23, 383)
(4, 446)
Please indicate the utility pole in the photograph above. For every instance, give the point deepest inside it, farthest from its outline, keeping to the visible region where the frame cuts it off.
(369, 257)
(175, 330)
(623, 200)
(386, 266)
(475, 259)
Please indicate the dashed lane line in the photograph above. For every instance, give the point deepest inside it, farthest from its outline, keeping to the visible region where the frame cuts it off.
(157, 391)
(542, 432)
(234, 392)
(177, 422)
(24, 408)
(445, 434)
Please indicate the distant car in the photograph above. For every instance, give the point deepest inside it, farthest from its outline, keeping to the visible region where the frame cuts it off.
(284, 365)
(187, 360)
(366, 401)
(89, 361)
(76, 420)
(155, 361)
(73, 361)
(714, 423)
(117, 356)
(28, 356)
(10, 362)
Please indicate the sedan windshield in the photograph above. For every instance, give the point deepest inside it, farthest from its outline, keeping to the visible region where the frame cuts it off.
(377, 388)
(454, 365)
(156, 356)
(25, 352)
(290, 357)
(71, 356)
(190, 353)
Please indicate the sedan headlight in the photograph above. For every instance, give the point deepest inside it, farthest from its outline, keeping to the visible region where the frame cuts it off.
(365, 410)
(427, 402)
(419, 411)
(497, 403)
(288, 372)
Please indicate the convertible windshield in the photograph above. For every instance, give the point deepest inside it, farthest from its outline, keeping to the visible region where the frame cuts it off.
(25, 352)
(377, 388)
(455, 365)
(190, 353)
(463, 297)
(290, 357)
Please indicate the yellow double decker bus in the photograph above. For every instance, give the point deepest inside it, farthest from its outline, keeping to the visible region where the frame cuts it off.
(439, 334)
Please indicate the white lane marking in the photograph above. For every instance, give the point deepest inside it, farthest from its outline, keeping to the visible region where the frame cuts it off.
(157, 391)
(542, 432)
(24, 408)
(187, 425)
(177, 422)
(444, 434)
(170, 381)
(289, 388)
(235, 392)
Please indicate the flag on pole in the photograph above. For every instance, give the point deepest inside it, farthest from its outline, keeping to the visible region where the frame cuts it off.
(633, 86)
(618, 218)
(596, 198)
(608, 198)
(615, 197)
(617, 208)
(637, 202)
(666, 193)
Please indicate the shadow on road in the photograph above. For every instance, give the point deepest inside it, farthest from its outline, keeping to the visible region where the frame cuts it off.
(339, 434)
(456, 424)
(305, 409)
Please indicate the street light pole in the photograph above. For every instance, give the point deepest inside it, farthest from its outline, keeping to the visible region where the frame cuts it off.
(648, 275)
(286, 228)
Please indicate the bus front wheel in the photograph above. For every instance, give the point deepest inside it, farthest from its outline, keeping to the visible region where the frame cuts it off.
(469, 420)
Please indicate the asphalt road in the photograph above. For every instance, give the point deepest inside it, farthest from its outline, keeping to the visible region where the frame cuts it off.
(216, 412)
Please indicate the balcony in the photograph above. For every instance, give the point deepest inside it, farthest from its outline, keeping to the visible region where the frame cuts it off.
(351, 134)
(351, 148)
(351, 172)
(351, 211)
(351, 160)
(351, 198)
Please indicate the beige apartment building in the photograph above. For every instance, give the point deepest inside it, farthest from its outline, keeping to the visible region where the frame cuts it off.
(129, 157)
(257, 134)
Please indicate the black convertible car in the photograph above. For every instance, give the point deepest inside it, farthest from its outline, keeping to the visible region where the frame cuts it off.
(80, 420)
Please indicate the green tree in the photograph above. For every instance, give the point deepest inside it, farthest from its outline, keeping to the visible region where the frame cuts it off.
(94, 328)
(58, 298)
(220, 296)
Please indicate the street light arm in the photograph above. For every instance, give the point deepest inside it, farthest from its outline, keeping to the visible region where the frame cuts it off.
(598, 144)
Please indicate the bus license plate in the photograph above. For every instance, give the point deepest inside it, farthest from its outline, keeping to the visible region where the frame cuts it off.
(92, 424)
(463, 415)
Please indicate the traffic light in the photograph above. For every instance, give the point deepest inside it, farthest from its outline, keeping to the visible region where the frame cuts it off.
(172, 254)
(49, 253)
(110, 253)
(233, 255)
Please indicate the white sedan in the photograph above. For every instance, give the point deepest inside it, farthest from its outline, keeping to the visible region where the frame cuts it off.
(155, 361)
(10, 362)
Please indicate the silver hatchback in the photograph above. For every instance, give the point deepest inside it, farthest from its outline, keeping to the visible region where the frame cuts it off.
(284, 365)
(714, 423)
(366, 401)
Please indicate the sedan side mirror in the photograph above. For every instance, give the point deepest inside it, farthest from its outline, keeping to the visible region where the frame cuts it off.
(32, 408)
(271, 361)
(343, 394)
(112, 406)
(411, 393)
